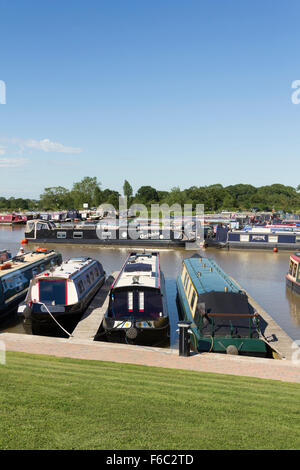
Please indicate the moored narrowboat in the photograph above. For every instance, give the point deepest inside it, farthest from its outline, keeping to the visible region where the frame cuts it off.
(293, 275)
(137, 312)
(103, 233)
(57, 298)
(266, 238)
(222, 319)
(11, 219)
(16, 274)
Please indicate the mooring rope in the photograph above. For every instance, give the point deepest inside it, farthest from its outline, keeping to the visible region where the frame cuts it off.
(69, 334)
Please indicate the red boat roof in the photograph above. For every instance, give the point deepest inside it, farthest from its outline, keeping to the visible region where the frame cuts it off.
(296, 257)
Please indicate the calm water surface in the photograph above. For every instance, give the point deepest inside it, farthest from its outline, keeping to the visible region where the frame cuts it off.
(261, 273)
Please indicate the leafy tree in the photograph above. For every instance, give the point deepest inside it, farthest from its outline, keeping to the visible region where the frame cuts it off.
(56, 198)
(127, 191)
(85, 191)
(146, 195)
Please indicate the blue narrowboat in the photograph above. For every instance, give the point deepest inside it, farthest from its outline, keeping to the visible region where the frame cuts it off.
(255, 237)
(16, 273)
(222, 319)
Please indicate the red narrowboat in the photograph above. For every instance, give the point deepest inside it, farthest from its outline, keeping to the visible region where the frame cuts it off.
(11, 219)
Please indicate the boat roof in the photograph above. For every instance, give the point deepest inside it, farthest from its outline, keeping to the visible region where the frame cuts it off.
(207, 276)
(67, 269)
(23, 261)
(139, 269)
(296, 256)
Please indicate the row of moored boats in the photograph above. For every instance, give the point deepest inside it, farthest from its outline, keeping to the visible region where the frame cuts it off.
(51, 295)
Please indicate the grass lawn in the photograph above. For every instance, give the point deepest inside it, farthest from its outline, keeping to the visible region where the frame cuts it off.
(58, 403)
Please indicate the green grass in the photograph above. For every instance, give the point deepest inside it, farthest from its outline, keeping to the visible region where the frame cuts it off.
(58, 403)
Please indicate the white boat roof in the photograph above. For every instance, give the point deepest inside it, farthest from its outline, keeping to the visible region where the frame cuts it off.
(24, 261)
(139, 269)
(67, 269)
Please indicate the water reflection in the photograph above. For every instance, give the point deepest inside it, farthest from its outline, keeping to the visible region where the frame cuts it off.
(294, 303)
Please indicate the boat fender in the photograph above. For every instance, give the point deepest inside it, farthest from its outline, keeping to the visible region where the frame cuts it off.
(231, 349)
(6, 266)
(132, 333)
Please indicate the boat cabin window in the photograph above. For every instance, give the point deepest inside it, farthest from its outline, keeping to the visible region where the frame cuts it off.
(52, 291)
(130, 301)
(185, 278)
(141, 301)
(193, 300)
(40, 226)
(80, 287)
(189, 289)
(186, 282)
(294, 269)
(29, 226)
(78, 235)
(35, 271)
(61, 235)
(88, 279)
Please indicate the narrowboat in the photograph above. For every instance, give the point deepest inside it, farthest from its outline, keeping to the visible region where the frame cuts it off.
(11, 219)
(222, 319)
(102, 233)
(16, 274)
(266, 238)
(293, 275)
(57, 298)
(137, 311)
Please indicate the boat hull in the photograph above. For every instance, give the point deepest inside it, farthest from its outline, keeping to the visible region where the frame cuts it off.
(156, 336)
(114, 237)
(293, 285)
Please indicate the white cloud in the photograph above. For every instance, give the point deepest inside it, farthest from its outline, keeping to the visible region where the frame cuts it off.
(47, 146)
(12, 162)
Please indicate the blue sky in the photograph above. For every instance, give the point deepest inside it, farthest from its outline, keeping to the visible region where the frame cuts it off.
(163, 93)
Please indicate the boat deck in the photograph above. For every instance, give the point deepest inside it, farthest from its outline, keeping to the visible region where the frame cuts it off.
(89, 324)
(272, 333)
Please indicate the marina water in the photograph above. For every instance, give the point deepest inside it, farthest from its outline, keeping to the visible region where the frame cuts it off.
(261, 273)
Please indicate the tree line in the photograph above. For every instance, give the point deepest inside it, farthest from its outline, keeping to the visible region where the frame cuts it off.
(214, 197)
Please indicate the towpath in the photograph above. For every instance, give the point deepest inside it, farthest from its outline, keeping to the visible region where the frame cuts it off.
(285, 370)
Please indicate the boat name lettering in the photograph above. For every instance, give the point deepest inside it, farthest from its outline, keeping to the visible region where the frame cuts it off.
(258, 237)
